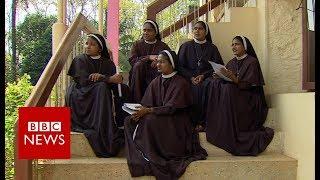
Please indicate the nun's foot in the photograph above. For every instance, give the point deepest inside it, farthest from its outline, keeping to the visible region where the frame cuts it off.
(199, 128)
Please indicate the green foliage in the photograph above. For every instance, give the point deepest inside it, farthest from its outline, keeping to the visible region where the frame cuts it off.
(34, 44)
(132, 16)
(124, 63)
(128, 33)
(173, 13)
(15, 96)
(8, 69)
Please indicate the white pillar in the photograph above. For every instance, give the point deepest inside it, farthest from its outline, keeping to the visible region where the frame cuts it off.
(58, 30)
(100, 15)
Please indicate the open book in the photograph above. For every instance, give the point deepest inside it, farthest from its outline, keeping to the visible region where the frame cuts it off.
(131, 107)
(217, 69)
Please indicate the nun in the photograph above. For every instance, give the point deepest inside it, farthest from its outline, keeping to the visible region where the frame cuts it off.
(194, 57)
(237, 109)
(143, 60)
(160, 139)
(94, 111)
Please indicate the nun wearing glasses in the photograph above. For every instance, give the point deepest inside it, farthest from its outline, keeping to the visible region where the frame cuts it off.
(160, 140)
(194, 57)
(90, 98)
(236, 110)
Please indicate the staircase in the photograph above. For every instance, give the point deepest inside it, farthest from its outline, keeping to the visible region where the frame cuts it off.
(271, 164)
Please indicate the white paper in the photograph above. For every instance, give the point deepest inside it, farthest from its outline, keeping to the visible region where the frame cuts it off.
(133, 106)
(217, 69)
(119, 85)
(130, 111)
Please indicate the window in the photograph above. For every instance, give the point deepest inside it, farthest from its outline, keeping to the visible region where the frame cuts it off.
(308, 49)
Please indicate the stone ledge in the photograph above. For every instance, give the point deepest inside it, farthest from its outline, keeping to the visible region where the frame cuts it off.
(80, 146)
(268, 166)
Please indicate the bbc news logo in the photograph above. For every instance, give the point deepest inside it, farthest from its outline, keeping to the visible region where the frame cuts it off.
(42, 139)
(44, 133)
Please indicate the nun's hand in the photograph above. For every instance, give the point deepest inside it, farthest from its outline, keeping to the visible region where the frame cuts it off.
(116, 79)
(198, 79)
(153, 58)
(140, 113)
(193, 81)
(145, 59)
(96, 77)
(154, 64)
(229, 74)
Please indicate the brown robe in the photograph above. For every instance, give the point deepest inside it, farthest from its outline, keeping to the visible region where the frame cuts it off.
(193, 61)
(236, 113)
(91, 105)
(141, 73)
(164, 143)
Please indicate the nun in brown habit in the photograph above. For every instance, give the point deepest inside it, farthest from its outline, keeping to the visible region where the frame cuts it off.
(237, 110)
(90, 98)
(160, 140)
(143, 60)
(194, 66)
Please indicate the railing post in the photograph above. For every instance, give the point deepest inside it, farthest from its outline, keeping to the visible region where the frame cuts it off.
(22, 167)
(157, 6)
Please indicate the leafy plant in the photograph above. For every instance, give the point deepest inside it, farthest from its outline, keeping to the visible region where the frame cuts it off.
(16, 95)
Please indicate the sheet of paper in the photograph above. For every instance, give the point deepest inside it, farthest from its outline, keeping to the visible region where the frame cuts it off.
(132, 106)
(130, 111)
(217, 69)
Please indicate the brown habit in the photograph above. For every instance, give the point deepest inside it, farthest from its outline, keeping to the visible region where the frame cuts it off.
(236, 113)
(164, 143)
(141, 73)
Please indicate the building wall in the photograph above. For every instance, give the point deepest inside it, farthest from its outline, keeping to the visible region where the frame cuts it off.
(284, 39)
(296, 115)
(243, 22)
(275, 30)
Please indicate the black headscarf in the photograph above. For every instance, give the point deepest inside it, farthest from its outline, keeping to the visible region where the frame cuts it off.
(250, 51)
(156, 28)
(206, 27)
(102, 44)
(173, 55)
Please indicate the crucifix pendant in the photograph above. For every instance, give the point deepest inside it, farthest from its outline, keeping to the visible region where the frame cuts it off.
(238, 72)
(198, 62)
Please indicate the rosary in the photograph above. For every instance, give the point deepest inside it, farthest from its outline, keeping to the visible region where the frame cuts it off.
(199, 58)
(239, 63)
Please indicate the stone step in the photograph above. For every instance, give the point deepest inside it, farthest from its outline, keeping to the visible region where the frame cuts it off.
(80, 146)
(265, 166)
(276, 145)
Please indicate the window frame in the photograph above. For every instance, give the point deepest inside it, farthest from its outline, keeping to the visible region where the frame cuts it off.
(306, 83)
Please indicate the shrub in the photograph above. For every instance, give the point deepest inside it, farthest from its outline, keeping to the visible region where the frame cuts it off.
(16, 95)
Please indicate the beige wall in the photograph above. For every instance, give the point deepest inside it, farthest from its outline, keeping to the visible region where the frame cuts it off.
(284, 37)
(274, 28)
(243, 22)
(296, 115)
(249, 22)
